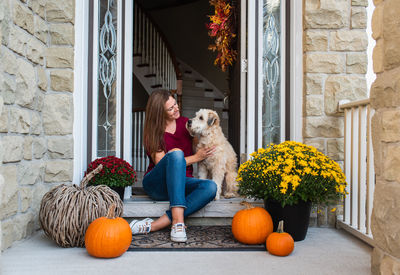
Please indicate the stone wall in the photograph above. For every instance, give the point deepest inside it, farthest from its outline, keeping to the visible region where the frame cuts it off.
(36, 85)
(335, 64)
(385, 99)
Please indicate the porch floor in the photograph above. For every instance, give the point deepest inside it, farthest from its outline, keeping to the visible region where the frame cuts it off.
(324, 251)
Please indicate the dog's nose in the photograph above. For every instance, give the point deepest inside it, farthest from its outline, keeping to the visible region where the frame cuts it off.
(189, 122)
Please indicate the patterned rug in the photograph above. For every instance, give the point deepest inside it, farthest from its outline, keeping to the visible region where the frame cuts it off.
(200, 238)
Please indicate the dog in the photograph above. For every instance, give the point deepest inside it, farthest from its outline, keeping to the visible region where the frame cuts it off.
(223, 163)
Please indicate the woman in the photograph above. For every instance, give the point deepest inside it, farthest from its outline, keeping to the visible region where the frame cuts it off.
(169, 175)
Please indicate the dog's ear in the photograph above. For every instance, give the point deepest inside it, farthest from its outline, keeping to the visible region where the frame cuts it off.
(211, 119)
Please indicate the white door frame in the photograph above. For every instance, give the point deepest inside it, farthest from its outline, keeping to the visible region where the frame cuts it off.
(248, 75)
(80, 96)
(123, 77)
(80, 89)
(128, 87)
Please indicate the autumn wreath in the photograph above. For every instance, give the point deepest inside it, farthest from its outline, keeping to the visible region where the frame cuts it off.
(222, 27)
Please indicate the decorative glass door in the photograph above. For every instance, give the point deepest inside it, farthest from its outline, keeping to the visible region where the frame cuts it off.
(111, 90)
(266, 72)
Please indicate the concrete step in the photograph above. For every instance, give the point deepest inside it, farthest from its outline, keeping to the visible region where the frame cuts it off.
(142, 206)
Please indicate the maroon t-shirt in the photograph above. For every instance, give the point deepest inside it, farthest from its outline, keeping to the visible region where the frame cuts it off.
(180, 139)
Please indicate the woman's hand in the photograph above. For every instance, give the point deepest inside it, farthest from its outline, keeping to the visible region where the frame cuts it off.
(205, 152)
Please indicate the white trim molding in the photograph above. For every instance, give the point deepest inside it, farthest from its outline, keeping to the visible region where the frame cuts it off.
(95, 78)
(243, 74)
(119, 80)
(251, 76)
(128, 74)
(80, 89)
(296, 73)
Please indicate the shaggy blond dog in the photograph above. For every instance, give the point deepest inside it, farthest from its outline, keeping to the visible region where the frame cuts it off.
(223, 163)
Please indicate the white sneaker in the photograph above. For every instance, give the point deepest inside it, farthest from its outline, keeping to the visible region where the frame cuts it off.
(178, 233)
(141, 227)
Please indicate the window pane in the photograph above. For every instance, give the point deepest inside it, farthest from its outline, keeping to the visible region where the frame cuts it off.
(106, 130)
(271, 110)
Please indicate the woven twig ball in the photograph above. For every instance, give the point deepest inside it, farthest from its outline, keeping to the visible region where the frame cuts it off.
(67, 210)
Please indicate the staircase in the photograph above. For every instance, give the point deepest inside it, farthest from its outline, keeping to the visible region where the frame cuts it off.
(156, 66)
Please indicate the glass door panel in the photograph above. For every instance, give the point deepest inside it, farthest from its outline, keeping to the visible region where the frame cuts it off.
(271, 74)
(107, 72)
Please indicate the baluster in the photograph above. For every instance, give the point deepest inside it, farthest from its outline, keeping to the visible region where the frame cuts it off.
(172, 76)
(151, 50)
(165, 65)
(136, 134)
(171, 73)
(351, 166)
(133, 141)
(346, 165)
(159, 61)
(145, 156)
(161, 64)
(362, 168)
(370, 171)
(138, 141)
(355, 182)
(168, 76)
(142, 147)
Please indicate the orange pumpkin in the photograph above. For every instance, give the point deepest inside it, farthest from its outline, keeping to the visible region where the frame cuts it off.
(108, 237)
(280, 243)
(252, 225)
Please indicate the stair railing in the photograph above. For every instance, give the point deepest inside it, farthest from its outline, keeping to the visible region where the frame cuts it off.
(359, 169)
(156, 54)
(140, 160)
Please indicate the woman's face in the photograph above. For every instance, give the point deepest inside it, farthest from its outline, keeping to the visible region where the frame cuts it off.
(171, 109)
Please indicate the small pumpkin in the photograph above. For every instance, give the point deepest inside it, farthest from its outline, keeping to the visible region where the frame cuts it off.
(252, 225)
(108, 237)
(280, 243)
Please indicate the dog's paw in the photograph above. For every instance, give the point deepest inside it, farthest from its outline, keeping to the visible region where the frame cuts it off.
(230, 195)
(217, 197)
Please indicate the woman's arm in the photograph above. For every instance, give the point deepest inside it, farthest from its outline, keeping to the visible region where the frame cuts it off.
(158, 156)
(199, 156)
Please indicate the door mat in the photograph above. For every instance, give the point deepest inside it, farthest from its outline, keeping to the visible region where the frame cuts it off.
(199, 238)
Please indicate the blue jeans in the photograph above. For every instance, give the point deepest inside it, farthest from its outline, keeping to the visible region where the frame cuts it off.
(168, 181)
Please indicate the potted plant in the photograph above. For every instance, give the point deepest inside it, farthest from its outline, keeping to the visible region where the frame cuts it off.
(116, 173)
(289, 177)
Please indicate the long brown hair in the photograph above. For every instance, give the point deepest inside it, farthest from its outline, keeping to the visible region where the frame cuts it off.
(155, 122)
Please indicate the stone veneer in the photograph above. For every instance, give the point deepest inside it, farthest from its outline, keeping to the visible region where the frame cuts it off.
(335, 64)
(36, 85)
(385, 99)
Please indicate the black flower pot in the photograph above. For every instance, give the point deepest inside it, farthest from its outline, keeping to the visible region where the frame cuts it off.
(120, 190)
(296, 217)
